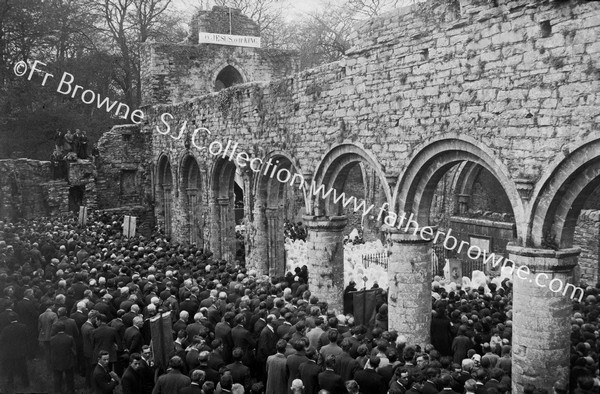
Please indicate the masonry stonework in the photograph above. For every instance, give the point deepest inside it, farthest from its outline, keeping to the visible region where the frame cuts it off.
(587, 237)
(175, 73)
(513, 88)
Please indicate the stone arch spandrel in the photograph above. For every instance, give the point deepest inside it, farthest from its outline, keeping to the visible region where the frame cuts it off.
(260, 180)
(560, 195)
(333, 164)
(413, 192)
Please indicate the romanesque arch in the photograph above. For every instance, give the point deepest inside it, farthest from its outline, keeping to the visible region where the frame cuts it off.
(276, 200)
(164, 192)
(560, 196)
(222, 207)
(333, 171)
(328, 220)
(191, 192)
(415, 190)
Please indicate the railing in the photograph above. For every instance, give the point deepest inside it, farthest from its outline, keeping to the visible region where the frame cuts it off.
(469, 266)
(381, 259)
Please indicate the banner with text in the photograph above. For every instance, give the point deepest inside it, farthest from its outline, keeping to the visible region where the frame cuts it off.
(228, 39)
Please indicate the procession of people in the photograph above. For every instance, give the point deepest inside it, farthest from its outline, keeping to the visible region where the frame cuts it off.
(81, 299)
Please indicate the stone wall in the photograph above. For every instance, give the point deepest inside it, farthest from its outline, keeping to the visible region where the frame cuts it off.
(28, 190)
(499, 234)
(124, 168)
(587, 237)
(496, 77)
(175, 73)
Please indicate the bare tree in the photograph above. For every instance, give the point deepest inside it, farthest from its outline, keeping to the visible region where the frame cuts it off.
(128, 23)
(371, 8)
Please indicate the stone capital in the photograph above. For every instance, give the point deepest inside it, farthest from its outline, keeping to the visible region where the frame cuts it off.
(324, 223)
(524, 188)
(544, 260)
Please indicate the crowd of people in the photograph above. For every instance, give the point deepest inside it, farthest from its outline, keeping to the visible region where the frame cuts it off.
(82, 299)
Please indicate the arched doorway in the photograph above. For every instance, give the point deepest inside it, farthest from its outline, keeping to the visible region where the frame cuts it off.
(164, 193)
(226, 178)
(352, 184)
(464, 165)
(191, 188)
(228, 77)
(279, 200)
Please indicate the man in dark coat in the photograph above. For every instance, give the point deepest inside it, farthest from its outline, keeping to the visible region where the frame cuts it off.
(12, 357)
(295, 360)
(239, 372)
(441, 333)
(131, 382)
(329, 380)
(69, 324)
(210, 374)
(63, 356)
(103, 380)
(346, 366)
(197, 377)
(267, 344)
(173, 380)
(28, 314)
(106, 338)
(87, 330)
(147, 370)
(349, 298)
(133, 339)
(371, 382)
(223, 332)
(309, 372)
(242, 338)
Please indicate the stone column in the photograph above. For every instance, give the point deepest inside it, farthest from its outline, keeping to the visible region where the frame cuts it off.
(463, 203)
(214, 244)
(192, 215)
(167, 206)
(275, 241)
(227, 233)
(541, 317)
(258, 258)
(409, 273)
(325, 249)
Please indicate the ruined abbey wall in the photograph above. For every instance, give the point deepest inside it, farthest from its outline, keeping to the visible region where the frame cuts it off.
(520, 80)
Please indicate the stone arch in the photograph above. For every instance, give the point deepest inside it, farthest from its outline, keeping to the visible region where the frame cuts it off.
(560, 195)
(331, 173)
(222, 204)
(227, 75)
(165, 183)
(277, 196)
(414, 191)
(191, 192)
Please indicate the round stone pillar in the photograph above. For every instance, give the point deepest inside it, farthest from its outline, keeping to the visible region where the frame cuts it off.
(257, 233)
(541, 315)
(409, 273)
(325, 250)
